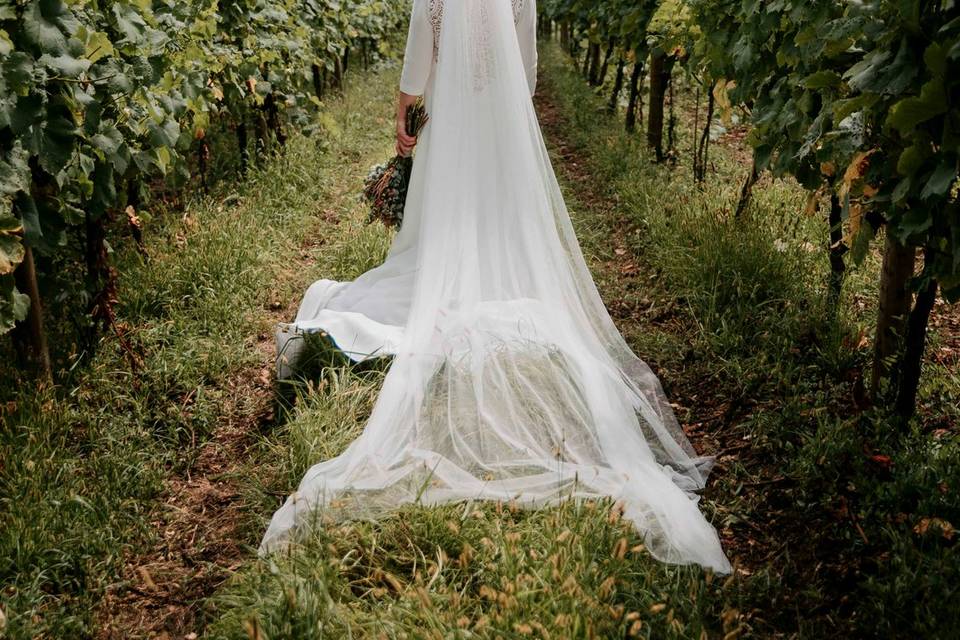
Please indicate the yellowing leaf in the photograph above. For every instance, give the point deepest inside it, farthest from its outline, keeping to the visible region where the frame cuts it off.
(6, 45)
(722, 99)
(11, 254)
(926, 524)
(163, 158)
(98, 46)
(853, 228)
(813, 203)
(858, 166)
(855, 171)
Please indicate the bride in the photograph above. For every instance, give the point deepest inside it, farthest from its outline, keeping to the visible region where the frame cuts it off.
(509, 380)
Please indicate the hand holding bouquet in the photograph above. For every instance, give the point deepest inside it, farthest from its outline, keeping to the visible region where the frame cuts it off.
(386, 185)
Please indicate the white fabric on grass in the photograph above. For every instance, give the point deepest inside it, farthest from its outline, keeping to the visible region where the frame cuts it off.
(509, 378)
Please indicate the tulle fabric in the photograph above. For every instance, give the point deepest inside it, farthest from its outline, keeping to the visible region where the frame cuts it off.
(509, 380)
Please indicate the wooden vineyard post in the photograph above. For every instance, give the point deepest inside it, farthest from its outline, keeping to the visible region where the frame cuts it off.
(31, 338)
(893, 306)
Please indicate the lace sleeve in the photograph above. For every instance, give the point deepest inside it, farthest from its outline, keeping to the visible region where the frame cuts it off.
(526, 17)
(418, 56)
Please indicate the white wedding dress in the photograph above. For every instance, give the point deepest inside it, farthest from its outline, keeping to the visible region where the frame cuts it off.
(509, 380)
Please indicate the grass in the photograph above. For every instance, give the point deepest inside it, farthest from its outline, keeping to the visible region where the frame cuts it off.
(840, 525)
(574, 571)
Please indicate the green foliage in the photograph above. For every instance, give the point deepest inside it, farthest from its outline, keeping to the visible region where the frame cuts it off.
(624, 22)
(909, 89)
(670, 29)
(785, 64)
(98, 98)
(858, 95)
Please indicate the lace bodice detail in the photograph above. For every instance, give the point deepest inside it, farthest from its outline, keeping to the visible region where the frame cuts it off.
(422, 50)
(436, 18)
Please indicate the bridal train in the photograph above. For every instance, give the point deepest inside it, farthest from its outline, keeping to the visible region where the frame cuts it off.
(509, 379)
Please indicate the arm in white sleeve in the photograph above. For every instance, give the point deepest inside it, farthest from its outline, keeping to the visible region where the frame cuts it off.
(418, 57)
(527, 35)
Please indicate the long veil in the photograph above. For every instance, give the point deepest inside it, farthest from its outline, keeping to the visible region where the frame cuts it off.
(510, 380)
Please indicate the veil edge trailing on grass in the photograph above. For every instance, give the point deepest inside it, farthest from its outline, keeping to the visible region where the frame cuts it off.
(510, 380)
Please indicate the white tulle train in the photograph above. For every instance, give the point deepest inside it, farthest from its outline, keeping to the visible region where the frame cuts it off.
(509, 380)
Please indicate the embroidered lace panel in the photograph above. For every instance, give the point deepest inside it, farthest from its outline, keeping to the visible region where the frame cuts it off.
(435, 9)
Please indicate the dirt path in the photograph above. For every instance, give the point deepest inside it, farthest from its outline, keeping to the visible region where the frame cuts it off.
(201, 516)
(197, 522)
